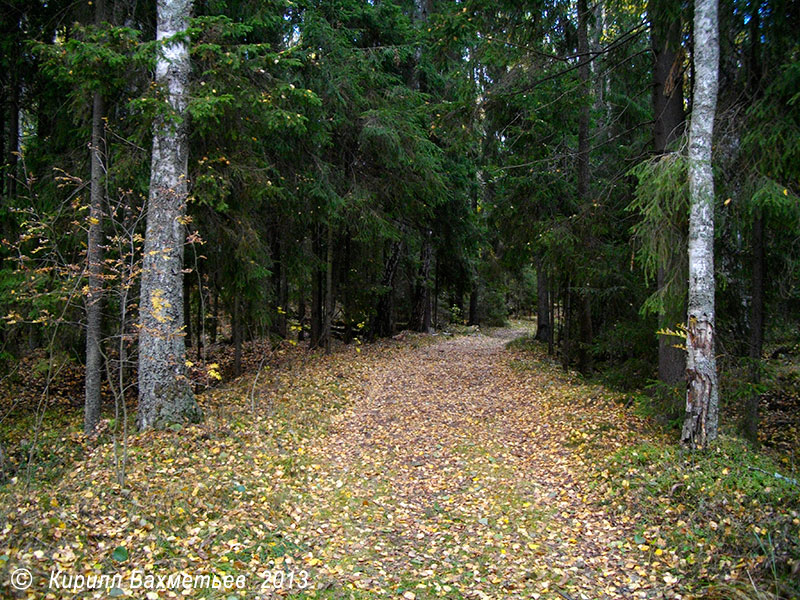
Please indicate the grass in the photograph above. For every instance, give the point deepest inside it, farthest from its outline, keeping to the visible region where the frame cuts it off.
(224, 496)
(719, 518)
(212, 498)
(526, 343)
(721, 514)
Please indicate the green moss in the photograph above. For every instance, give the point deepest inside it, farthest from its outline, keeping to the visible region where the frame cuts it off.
(176, 405)
(716, 509)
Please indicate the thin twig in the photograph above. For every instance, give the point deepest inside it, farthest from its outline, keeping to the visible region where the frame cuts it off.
(788, 480)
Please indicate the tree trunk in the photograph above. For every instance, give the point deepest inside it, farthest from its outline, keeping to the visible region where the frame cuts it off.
(283, 292)
(329, 290)
(4, 206)
(421, 319)
(435, 317)
(420, 316)
(543, 304)
(94, 257)
(201, 311)
(474, 292)
(2, 143)
(671, 360)
(584, 354)
(344, 291)
(279, 284)
(700, 425)
(558, 316)
(13, 132)
(585, 320)
(383, 315)
(758, 266)
(421, 11)
(165, 395)
(187, 312)
(667, 127)
(566, 334)
(214, 314)
(756, 328)
(583, 117)
(301, 315)
(316, 297)
(236, 326)
(551, 333)
(668, 117)
(473, 301)
(754, 56)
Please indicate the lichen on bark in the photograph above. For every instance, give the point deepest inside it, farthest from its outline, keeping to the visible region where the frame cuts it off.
(165, 393)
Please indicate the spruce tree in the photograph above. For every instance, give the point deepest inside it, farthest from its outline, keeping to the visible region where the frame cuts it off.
(165, 394)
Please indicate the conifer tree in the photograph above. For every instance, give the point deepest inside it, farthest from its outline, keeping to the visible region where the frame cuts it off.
(165, 395)
(94, 359)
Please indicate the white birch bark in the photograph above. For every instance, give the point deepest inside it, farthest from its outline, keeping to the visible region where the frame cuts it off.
(700, 425)
(165, 394)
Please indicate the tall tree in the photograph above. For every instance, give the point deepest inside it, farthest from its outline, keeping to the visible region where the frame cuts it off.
(543, 303)
(700, 425)
(585, 323)
(165, 395)
(668, 119)
(329, 304)
(421, 317)
(757, 246)
(13, 102)
(94, 257)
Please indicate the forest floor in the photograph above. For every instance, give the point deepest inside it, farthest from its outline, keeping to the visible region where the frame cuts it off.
(430, 467)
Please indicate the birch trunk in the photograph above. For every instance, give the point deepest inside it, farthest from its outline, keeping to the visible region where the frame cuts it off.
(165, 395)
(700, 425)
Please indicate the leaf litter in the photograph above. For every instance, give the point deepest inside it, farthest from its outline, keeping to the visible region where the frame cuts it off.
(422, 469)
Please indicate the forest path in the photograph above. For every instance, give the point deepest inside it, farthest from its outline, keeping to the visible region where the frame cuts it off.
(457, 474)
